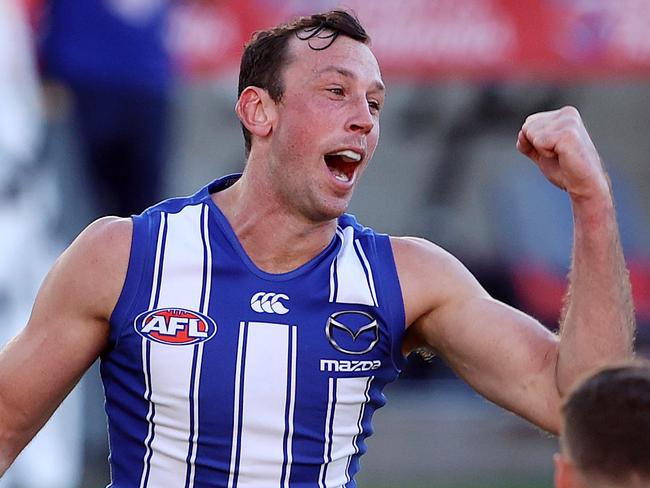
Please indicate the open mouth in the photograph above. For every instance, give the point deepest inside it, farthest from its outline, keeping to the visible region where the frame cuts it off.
(343, 164)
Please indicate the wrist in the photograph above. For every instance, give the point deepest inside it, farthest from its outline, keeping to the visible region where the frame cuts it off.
(594, 212)
(594, 193)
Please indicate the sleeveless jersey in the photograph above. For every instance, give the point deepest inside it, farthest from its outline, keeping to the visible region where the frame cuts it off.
(219, 374)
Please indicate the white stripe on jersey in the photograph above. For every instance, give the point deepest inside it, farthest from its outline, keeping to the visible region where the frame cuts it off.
(170, 367)
(350, 285)
(366, 265)
(328, 419)
(265, 393)
(359, 427)
(347, 400)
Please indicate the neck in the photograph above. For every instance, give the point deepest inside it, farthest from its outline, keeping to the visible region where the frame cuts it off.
(276, 239)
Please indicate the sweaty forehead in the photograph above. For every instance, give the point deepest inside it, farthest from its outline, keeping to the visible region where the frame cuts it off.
(345, 56)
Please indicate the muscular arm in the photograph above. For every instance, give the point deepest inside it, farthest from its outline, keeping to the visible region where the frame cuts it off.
(597, 324)
(504, 354)
(66, 332)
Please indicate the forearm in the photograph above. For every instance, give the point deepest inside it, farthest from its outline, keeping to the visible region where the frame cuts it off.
(7, 454)
(12, 441)
(597, 323)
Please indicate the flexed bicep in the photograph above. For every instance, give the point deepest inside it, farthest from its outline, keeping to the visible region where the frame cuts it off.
(506, 355)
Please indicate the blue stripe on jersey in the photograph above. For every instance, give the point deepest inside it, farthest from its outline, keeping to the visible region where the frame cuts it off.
(161, 260)
(140, 269)
(288, 421)
(239, 403)
(214, 398)
(150, 417)
(335, 293)
(193, 420)
(387, 283)
(206, 250)
(128, 424)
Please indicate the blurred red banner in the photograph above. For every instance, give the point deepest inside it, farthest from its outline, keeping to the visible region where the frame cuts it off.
(424, 40)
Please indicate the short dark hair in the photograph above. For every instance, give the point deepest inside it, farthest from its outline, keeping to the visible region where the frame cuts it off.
(265, 55)
(607, 423)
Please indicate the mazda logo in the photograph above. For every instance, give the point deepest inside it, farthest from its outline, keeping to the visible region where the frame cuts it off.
(352, 331)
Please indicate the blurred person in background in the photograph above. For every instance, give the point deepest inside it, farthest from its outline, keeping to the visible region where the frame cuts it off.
(246, 332)
(111, 57)
(28, 206)
(605, 441)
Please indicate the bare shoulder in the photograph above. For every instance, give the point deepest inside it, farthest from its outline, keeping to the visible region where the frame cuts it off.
(91, 271)
(419, 260)
(430, 276)
(105, 239)
(417, 251)
(111, 228)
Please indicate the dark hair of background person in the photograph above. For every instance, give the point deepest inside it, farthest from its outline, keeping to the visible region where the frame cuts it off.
(607, 424)
(265, 55)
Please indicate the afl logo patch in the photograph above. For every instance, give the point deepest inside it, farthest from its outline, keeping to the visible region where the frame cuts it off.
(175, 326)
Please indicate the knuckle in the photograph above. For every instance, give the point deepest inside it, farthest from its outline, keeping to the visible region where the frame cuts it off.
(529, 120)
(570, 111)
(571, 133)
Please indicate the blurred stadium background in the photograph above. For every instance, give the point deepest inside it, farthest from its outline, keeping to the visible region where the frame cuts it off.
(462, 75)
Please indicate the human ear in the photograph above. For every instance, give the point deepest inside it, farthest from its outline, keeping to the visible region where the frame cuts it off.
(256, 110)
(565, 474)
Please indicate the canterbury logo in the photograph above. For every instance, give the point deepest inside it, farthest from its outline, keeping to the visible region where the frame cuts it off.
(264, 302)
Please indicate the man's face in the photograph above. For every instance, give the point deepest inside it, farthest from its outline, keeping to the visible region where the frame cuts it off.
(327, 127)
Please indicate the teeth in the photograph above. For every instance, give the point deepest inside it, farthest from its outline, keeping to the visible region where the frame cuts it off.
(349, 154)
(340, 175)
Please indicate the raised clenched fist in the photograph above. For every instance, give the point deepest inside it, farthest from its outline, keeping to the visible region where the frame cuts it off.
(558, 142)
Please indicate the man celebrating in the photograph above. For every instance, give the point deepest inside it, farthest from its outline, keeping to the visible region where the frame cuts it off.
(606, 436)
(246, 332)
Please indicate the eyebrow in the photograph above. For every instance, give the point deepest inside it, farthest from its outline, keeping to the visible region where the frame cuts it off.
(348, 74)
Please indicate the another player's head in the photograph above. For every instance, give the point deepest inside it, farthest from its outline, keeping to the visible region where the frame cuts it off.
(606, 437)
(310, 93)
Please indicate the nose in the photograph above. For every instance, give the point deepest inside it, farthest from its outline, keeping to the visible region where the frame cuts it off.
(361, 120)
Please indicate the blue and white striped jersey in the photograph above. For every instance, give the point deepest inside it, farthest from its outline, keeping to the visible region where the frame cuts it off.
(219, 374)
